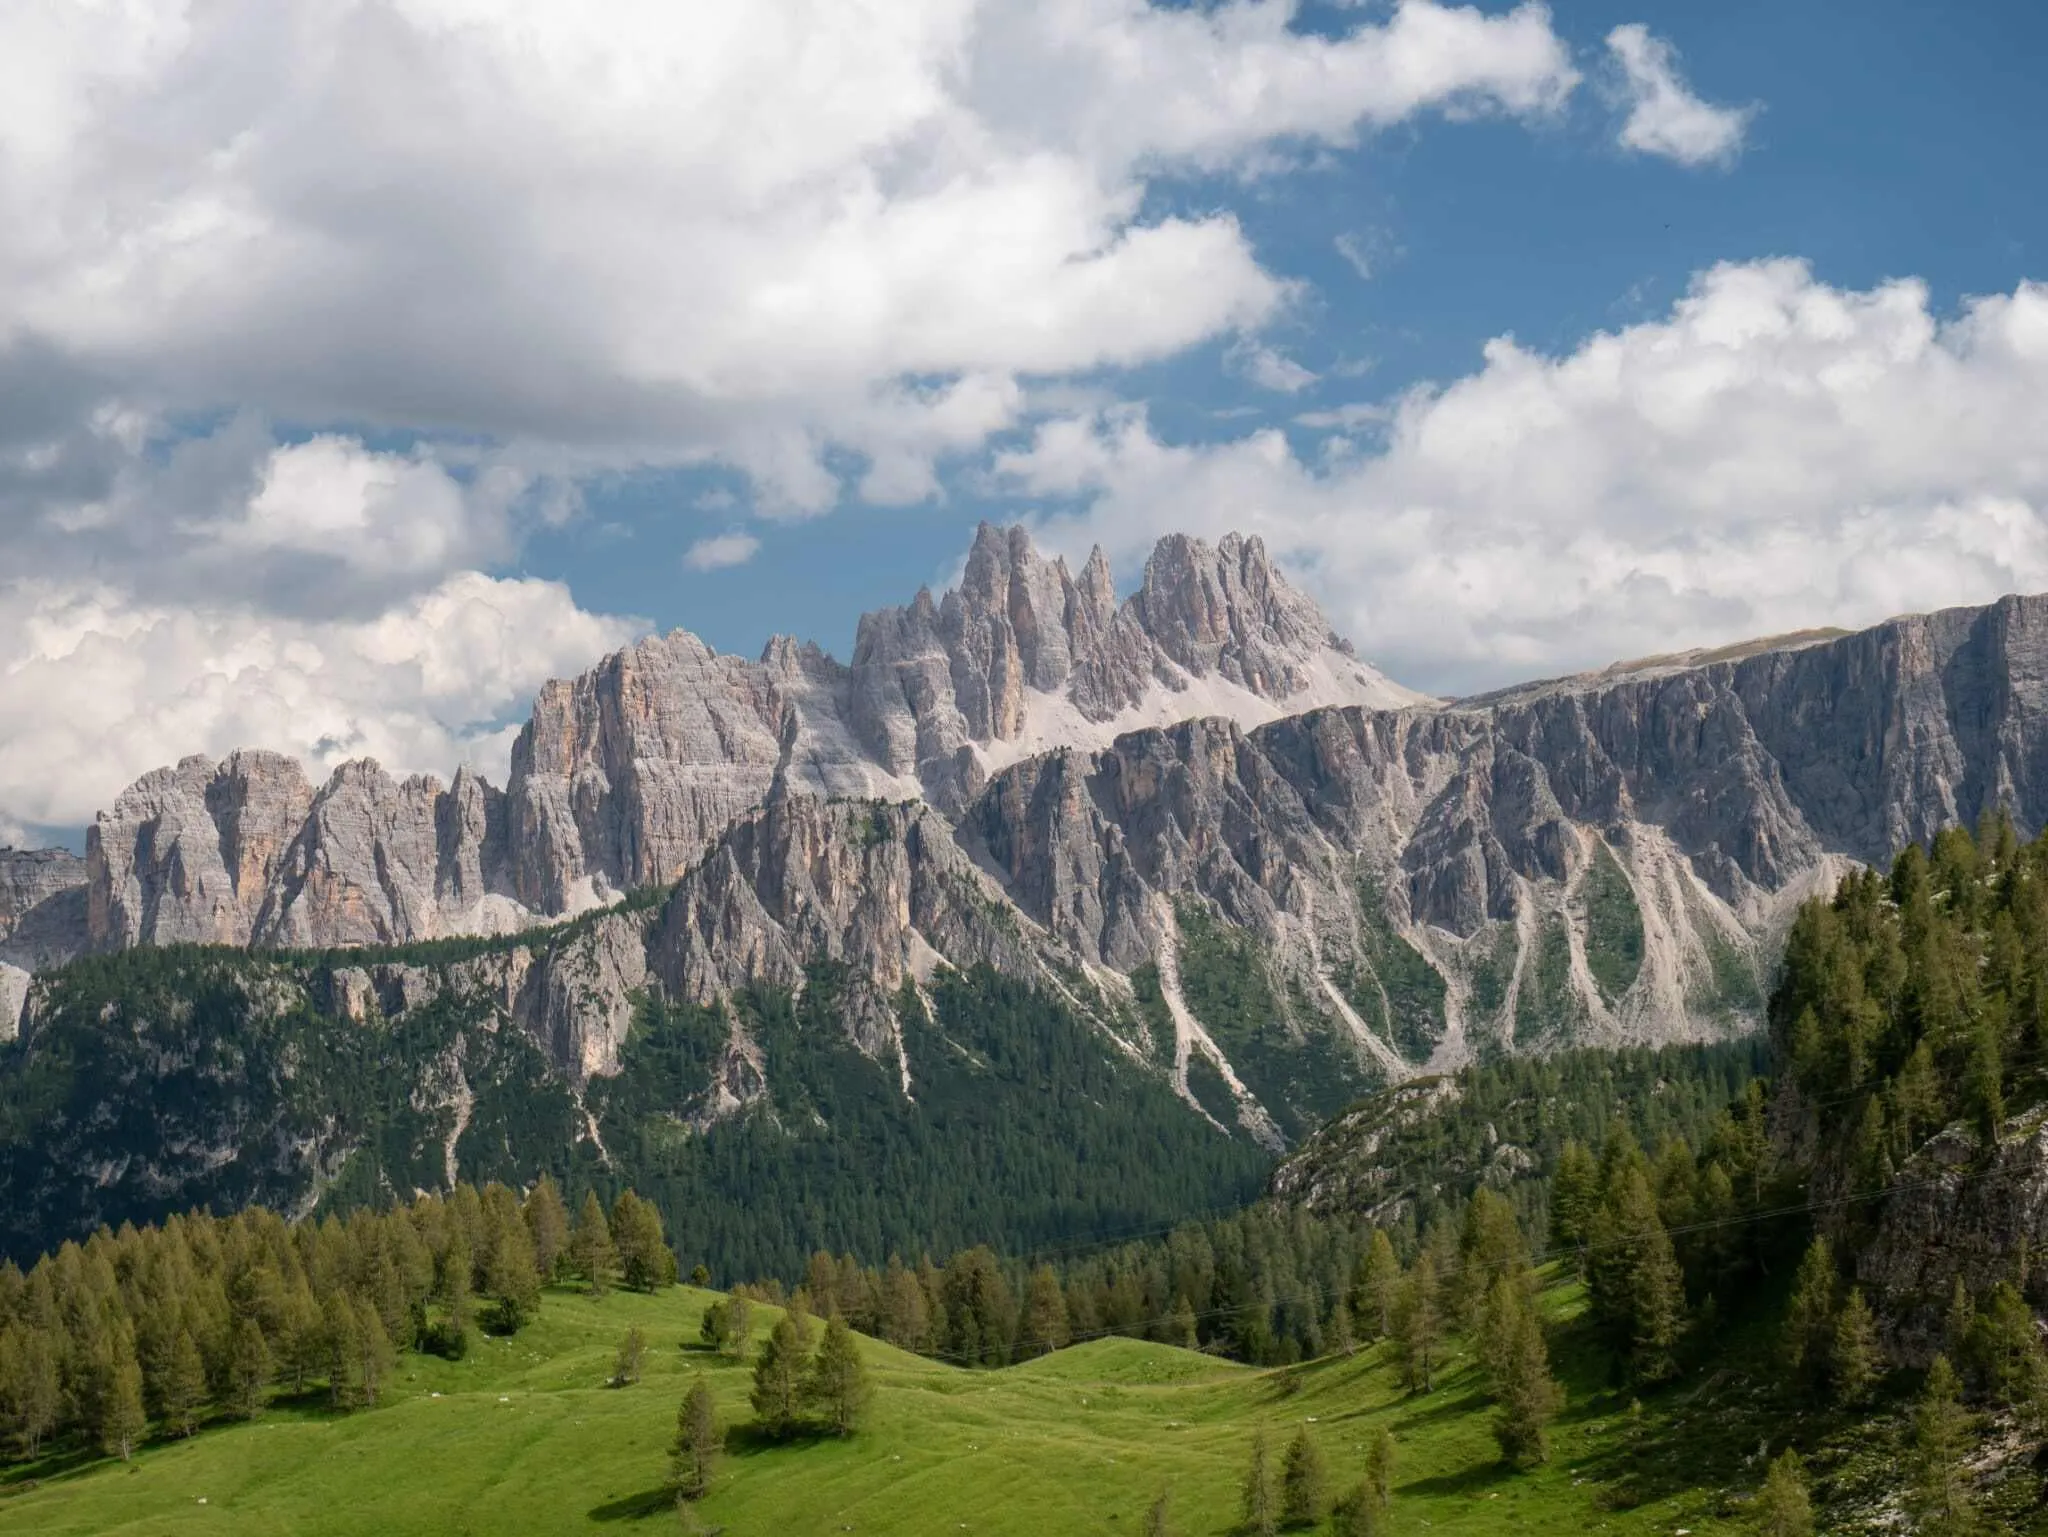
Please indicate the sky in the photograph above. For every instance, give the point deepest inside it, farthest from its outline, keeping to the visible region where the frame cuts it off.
(364, 363)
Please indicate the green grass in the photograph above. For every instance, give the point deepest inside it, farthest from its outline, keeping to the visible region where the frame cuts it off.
(525, 1439)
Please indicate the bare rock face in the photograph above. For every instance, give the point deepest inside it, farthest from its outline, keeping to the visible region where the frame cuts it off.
(14, 987)
(626, 776)
(42, 908)
(1954, 1214)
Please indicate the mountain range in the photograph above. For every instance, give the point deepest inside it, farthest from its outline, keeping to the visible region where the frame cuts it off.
(1194, 816)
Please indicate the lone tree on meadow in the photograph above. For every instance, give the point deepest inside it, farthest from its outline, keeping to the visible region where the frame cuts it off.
(1783, 1507)
(694, 1454)
(632, 1355)
(1304, 1481)
(1258, 1499)
(590, 1245)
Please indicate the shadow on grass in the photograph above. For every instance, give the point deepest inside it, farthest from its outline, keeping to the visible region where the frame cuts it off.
(1478, 1480)
(636, 1507)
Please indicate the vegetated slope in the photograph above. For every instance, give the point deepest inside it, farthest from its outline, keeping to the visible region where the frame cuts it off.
(522, 1438)
(160, 1080)
(1411, 1155)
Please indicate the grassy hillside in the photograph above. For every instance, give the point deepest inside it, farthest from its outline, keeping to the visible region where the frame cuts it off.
(523, 1438)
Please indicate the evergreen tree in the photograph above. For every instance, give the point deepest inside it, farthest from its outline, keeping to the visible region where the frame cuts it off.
(590, 1245)
(547, 1227)
(632, 1354)
(249, 1368)
(906, 1322)
(695, 1452)
(1574, 1198)
(512, 1276)
(378, 1357)
(1181, 1328)
(1379, 1281)
(2005, 1346)
(1783, 1507)
(1810, 1319)
(1258, 1500)
(1854, 1359)
(121, 1420)
(1527, 1395)
(778, 1380)
(1045, 1315)
(1418, 1324)
(1379, 1469)
(1940, 1492)
(344, 1350)
(1632, 1274)
(645, 1262)
(184, 1386)
(838, 1385)
(1490, 1248)
(1363, 1511)
(1304, 1481)
(31, 1390)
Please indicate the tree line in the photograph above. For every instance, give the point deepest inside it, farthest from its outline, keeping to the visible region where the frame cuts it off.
(154, 1330)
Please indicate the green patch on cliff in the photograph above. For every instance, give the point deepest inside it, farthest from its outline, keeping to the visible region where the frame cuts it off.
(1731, 988)
(1614, 925)
(1206, 1083)
(1490, 957)
(1153, 1012)
(1301, 1065)
(1546, 1006)
(1402, 996)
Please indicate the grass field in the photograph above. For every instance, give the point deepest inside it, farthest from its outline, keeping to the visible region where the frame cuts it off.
(523, 1438)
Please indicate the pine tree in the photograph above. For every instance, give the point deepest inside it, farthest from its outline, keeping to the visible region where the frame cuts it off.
(1574, 1197)
(547, 1227)
(1181, 1328)
(249, 1368)
(590, 1245)
(1379, 1281)
(1045, 1315)
(778, 1380)
(344, 1339)
(379, 1359)
(1783, 1507)
(1418, 1324)
(645, 1262)
(184, 1386)
(1854, 1359)
(1940, 1492)
(838, 1383)
(632, 1354)
(1528, 1396)
(1810, 1320)
(513, 1276)
(1259, 1501)
(31, 1390)
(695, 1452)
(121, 1420)
(1304, 1481)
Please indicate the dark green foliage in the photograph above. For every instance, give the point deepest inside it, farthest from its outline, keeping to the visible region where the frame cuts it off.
(1784, 1508)
(1304, 1481)
(1153, 1011)
(1546, 1006)
(1302, 1068)
(837, 1389)
(1401, 994)
(779, 1380)
(1258, 1499)
(1211, 1092)
(1614, 925)
(694, 1454)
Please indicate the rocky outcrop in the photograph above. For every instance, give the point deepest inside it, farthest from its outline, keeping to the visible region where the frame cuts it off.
(1955, 1212)
(14, 986)
(625, 776)
(42, 907)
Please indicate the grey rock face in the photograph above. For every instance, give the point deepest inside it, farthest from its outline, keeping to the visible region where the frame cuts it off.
(627, 775)
(42, 907)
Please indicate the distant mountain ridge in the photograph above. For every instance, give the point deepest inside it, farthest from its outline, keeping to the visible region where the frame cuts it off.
(1194, 815)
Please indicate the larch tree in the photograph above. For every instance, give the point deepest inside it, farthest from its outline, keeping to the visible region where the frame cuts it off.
(838, 1386)
(1304, 1481)
(547, 1227)
(694, 1454)
(1783, 1506)
(777, 1395)
(1258, 1500)
(590, 1245)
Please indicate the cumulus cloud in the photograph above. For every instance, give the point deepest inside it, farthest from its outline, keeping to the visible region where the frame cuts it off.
(721, 551)
(98, 687)
(1774, 453)
(1665, 118)
(1271, 369)
(640, 231)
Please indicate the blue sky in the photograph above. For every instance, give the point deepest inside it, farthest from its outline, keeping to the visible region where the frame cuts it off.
(1895, 140)
(364, 364)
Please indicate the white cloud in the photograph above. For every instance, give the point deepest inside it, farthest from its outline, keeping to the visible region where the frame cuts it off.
(98, 688)
(1665, 118)
(639, 232)
(1774, 453)
(1271, 369)
(721, 551)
